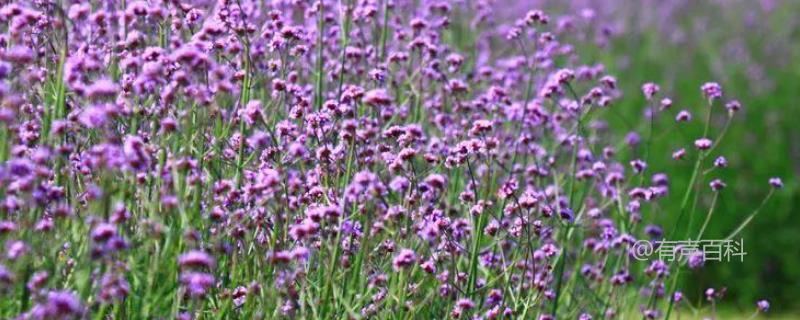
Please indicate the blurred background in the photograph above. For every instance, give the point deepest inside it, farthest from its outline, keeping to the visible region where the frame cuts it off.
(752, 48)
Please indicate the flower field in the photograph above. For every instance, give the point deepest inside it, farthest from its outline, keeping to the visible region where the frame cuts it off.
(392, 159)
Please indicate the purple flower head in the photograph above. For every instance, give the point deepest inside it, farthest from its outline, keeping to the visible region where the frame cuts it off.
(168, 125)
(632, 139)
(377, 98)
(303, 229)
(364, 185)
(196, 259)
(717, 185)
(103, 232)
(638, 165)
(679, 154)
(136, 153)
(703, 144)
(657, 268)
(776, 182)
(564, 76)
(666, 103)
(19, 54)
(536, 17)
(94, 116)
(5, 69)
(404, 259)
(712, 90)
(102, 89)
(197, 284)
(61, 305)
(6, 277)
(696, 260)
(609, 82)
(733, 106)
(38, 280)
(566, 214)
(720, 162)
(710, 294)
(258, 140)
(660, 179)
(651, 314)
(465, 304)
(436, 181)
(399, 184)
(762, 305)
(481, 127)
(113, 287)
(251, 112)
(683, 116)
(650, 90)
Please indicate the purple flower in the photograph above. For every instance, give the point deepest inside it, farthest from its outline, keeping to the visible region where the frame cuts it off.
(6, 277)
(717, 185)
(251, 112)
(304, 229)
(113, 287)
(710, 294)
(683, 116)
(638, 165)
(5, 69)
(651, 314)
(197, 284)
(720, 162)
(712, 90)
(666, 103)
(536, 17)
(94, 116)
(377, 98)
(102, 89)
(696, 260)
(258, 140)
(59, 305)
(733, 106)
(168, 125)
(19, 54)
(609, 82)
(657, 268)
(679, 154)
(104, 231)
(38, 280)
(703, 143)
(650, 90)
(481, 126)
(776, 182)
(16, 250)
(564, 76)
(763, 305)
(465, 304)
(196, 259)
(632, 139)
(436, 181)
(404, 259)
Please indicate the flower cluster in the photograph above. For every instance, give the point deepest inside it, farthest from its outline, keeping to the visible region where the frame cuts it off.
(326, 159)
